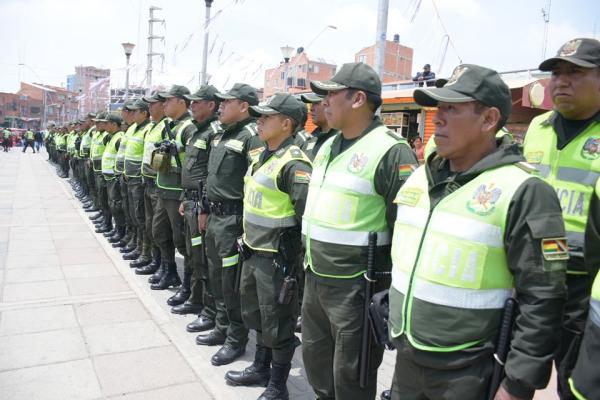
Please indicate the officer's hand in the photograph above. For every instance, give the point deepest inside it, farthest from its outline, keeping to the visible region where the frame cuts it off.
(202, 221)
(502, 394)
(181, 209)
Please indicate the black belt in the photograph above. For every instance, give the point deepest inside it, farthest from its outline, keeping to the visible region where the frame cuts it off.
(226, 207)
(150, 182)
(190, 194)
(264, 254)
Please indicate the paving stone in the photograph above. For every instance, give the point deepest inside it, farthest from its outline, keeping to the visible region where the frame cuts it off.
(109, 312)
(76, 242)
(104, 284)
(31, 243)
(125, 336)
(21, 275)
(15, 260)
(32, 349)
(89, 271)
(34, 290)
(74, 256)
(146, 369)
(29, 320)
(73, 380)
(188, 391)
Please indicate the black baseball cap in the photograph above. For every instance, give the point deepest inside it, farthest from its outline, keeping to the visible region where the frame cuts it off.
(91, 115)
(127, 104)
(138, 104)
(114, 117)
(100, 117)
(240, 91)
(469, 82)
(352, 75)
(206, 92)
(175, 91)
(311, 98)
(280, 103)
(583, 52)
(153, 98)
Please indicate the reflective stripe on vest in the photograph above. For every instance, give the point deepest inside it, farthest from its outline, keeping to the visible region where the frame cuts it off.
(172, 181)
(135, 151)
(120, 163)
(451, 258)
(231, 260)
(110, 154)
(152, 137)
(97, 150)
(572, 171)
(343, 206)
(268, 210)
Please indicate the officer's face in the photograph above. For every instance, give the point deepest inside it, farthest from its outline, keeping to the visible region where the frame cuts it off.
(575, 90)
(458, 129)
(201, 109)
(273, 127)
(317, 114)
(156, 110)
(231, 111)
(140, 116)
(337, 105)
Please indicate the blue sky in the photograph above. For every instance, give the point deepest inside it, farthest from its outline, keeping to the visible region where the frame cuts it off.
(51, 37)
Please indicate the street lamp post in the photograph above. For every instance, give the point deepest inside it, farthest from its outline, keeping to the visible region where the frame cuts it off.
(128, 47)
(203, 76)
(286, 52)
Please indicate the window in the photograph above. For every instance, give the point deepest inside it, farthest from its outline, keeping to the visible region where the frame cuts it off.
(362, 58)
(290, 81)
(34, 110)
(302, 83)
(313, 68)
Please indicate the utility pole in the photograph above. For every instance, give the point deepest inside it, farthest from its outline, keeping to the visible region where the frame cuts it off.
(382, 19)
(151, 38)
(546, 17)
(203, 77)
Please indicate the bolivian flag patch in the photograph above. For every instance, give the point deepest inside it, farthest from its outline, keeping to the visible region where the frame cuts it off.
(406, 169)
(301, 177)
(555, 249)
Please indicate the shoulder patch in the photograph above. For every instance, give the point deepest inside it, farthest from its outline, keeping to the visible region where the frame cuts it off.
(295, 152)
(301, 177)
(406, 169)
(555, 249)
(526, 167)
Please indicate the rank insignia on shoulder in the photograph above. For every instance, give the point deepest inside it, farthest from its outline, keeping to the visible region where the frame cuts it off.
(301, 177)
(555, 249)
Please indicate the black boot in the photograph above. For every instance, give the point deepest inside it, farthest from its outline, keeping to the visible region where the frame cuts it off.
(183, 293)
(142, 261)
(386, 395)
(155, 278)
(168, 279)
(111, 232)
(149, 269)
(257, 374)
(134, 254)
(106, 227)
(128, 248)
(119, 234)
(97, 217)
(277, 388)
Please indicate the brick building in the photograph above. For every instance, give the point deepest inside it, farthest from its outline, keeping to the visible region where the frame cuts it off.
(92, 86)
(397, 63)
(301, 70)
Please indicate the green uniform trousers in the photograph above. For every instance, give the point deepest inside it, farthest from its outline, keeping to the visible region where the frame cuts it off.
(151, 213)
(579, 288)
(222, 232)
(136, 188)
(274, 323)
(200, 290)
(114, 201)
(413, 381)
(332, 321)
(125, 203)
(91, 180)
(102, 196)
(169, 240)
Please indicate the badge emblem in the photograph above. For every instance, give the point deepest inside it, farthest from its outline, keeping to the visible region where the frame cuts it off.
(357, 162)
(534, 157)
(270, 168)
(484, 199)
(591, 149)
(456, 74)
(569, 48)
(555, 249)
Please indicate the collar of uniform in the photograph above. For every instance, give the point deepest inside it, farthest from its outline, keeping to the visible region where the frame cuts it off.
(266, 154)
(183, 117)
(201, 126)
(236, 126)
(142, 125)
(554, 115)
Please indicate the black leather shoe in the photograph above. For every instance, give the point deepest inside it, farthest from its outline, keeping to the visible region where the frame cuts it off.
(140, 262)
(96, 217)
(119, 245)
(187, 308)
(170, 279)
(227, 354)
(110, 233)
(92, 209)
(180, 297)
(115, 238)
(251, 376)
(210, 339)
(200, 324)
(128, 249)
(155, 278)
(103, 229)
(148, 269)
(386, 395)
(131, 256)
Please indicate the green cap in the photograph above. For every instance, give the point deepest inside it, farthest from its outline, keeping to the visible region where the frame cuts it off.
(138, 104)
(91, 115)
(175, 91)
(100, 117)
(240, 91)
(280, 103)
(153, 98)
(128, 104)
(584, 52)
(206, 92)
(352, 75)
(114, 117)
(311, 98)
(469, 82)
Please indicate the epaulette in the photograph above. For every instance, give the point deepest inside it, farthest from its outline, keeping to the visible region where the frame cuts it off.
(252, 129)
(296, 152)
(279, 153)
(525, 167)
(394, 135)
(215, 126)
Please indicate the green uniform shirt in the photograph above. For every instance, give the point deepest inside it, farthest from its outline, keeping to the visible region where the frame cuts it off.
(195, 165)
(313, 144)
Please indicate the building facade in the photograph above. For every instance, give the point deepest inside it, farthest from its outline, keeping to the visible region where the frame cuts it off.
(398, 60)
(92, 86)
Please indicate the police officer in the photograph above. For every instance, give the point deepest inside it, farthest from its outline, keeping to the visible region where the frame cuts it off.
(275, 196)
(355, 177)
(230, 154)
(134, 154)
(152, 212)
(474, 227)
(175, 136)
(204, 106)
(109, 157)
(103, 221)
(323, 131)
(85, 148)
(28, 140)
(63, 159)
(564, 144)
